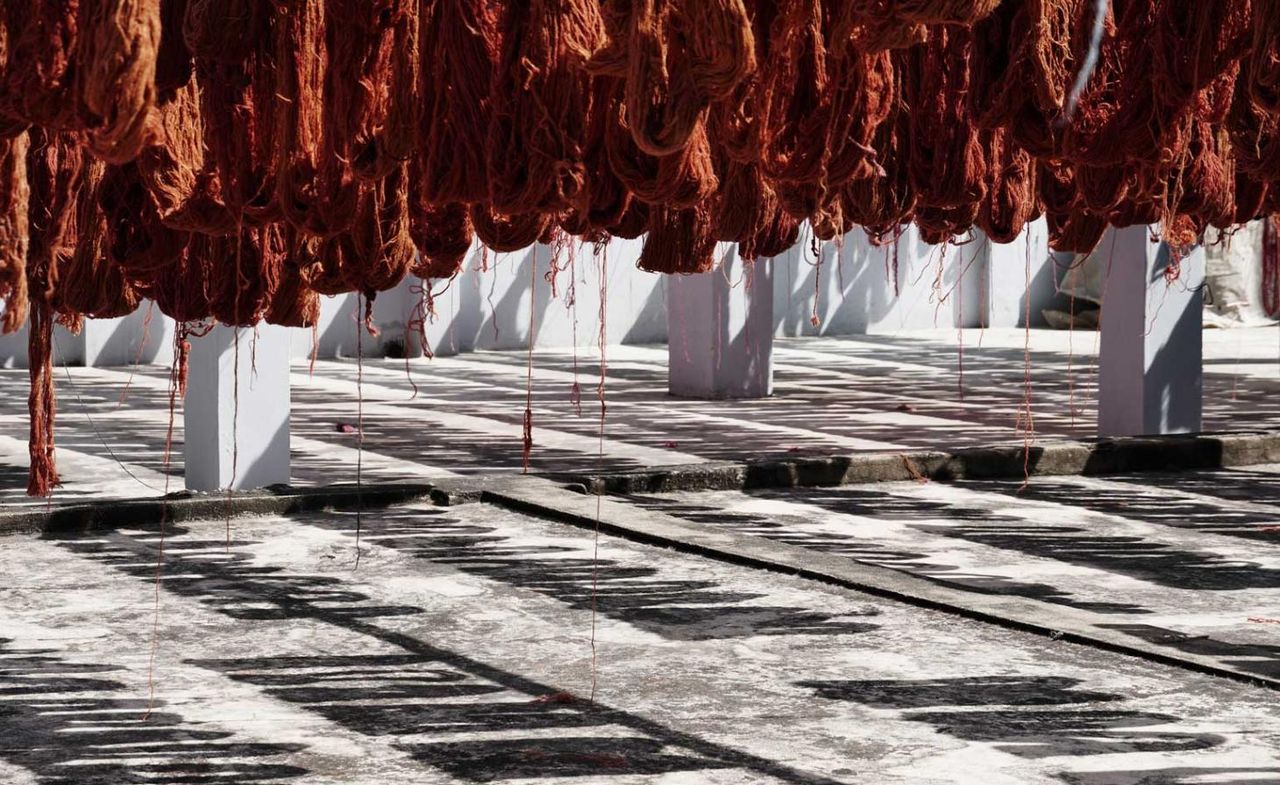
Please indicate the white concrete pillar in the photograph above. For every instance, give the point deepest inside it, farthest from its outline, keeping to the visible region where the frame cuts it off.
(236, 412)
(144, 336)
(720, 331)
(1017, 275)
(1150, 373)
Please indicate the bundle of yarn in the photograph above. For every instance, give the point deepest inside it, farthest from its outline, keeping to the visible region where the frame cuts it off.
(232, 160)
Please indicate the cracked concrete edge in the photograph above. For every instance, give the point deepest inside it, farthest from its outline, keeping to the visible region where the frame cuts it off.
(186, 507)
(1105, 456)
(548, 500)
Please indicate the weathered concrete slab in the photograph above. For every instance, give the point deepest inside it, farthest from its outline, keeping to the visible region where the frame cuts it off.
(1172, 566)
(450, 654)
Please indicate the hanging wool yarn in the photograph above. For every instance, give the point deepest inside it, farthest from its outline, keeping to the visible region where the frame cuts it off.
(381, 247)
(507, 233)
(222, 31)
(235, 159)
(662, 103)
(1195, 43)
(39, 76)
(115, 74)
(1264, 61)
(794, 122)
(178, 172)
(89, 283)
(173, 58)
(392, 139)
(460, 42)
(679, 241)
(1011, 199)
(319, 110)
(685, 178)
(885, 199)
(14, 193)
(947, 163)
(56, 166)
(442, 236)
(238, 117)
(537, 135)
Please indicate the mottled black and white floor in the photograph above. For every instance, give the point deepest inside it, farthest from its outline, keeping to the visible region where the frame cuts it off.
(460, 649)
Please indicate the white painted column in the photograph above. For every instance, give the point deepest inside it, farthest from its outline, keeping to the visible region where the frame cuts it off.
(720, 331)
(1150, 372)
(144, 336)
(237, 439)
(1016, 275)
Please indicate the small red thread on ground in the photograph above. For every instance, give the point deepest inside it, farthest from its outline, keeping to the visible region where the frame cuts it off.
(913, 470)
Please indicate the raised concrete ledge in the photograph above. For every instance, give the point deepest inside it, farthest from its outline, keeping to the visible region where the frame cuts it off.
(1104, 456)
(188, 506)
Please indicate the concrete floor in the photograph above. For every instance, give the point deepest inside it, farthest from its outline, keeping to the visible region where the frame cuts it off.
(983, 633)
(882, 393)
(459, 649)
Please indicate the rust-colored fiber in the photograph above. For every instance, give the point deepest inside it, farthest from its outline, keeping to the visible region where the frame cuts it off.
(14, 193)
(1011, 198)
(947, 162)
(381, 250)
(506, 233)
(361, 35)
(537, 135)
(778, 232)
(460, 43)
(178, 171)
(292, 303)
(663, 104)
(239, 111)
(1264, 63)
(40, 73)
(89, 282)
(679, 242)
(886, 198)
(173, 59)
(55, 173)
(393, 138)
(1194, 43)
(1255, 135)
(746, 203)
(222, 31)
(245, 270)
(119, 42)
(317, 110)
(682, 179)
(1206, 189)
(136, 237)
(443, 236)
(794, 120)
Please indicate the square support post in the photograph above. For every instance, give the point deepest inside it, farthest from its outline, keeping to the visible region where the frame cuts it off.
(1150, 374)
(720, 331)
(237, 438)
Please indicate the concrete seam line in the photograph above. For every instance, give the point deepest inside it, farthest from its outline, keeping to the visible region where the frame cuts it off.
(538, 505)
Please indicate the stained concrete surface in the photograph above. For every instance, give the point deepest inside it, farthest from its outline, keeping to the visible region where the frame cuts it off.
(459, 649)
(939, 390)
